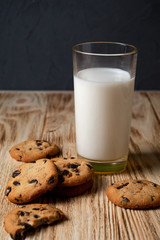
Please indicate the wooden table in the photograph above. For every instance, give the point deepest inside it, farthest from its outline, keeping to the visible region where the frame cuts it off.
(50, 116)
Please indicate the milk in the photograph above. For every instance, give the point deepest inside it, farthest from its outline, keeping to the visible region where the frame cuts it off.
(103, 101)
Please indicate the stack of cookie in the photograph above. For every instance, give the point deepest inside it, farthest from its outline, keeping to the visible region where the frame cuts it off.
(75, 176)
(64, 177)
(69, 177)
(38, 175)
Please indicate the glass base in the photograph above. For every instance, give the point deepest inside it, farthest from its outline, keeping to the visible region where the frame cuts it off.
(108, 167)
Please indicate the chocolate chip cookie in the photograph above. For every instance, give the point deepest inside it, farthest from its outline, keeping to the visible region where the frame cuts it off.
(31, 180)
(73, 172)
(27, 217)
(32, 150)
(134, 194)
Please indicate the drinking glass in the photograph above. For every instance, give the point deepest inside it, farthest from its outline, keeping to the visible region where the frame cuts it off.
(104, 75)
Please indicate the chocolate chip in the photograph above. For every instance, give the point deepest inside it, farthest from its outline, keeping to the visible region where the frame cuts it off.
(88, 165)
(72, 157)
(38, 142)
(154, 185)
(34, 181)
(17, 199)
(16, 183)
(65, 172)
(76, 170)
(123, 185)
(21, 213)
(35, 208)
(36, 216)
(23, 206)
(72, 165)
(30, 149)
(45, 161)
(51, 180)
(126, 200)
(64, 158)
(77, 174)
(139, 182)
(8, 190)
(20, 156)
(15, 173)
(60, 178)
(17, 149)
(33, 161)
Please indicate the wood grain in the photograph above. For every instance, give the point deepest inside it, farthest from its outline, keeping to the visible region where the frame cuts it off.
(50, 116)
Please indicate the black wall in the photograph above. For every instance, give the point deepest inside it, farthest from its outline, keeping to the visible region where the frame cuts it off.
(36, 37)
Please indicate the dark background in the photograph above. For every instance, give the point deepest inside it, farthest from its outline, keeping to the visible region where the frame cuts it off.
(36, 37)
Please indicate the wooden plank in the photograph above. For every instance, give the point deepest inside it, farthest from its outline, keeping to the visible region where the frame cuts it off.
(50, 116)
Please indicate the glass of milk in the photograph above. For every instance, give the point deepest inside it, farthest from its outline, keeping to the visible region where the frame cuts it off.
(104, 75)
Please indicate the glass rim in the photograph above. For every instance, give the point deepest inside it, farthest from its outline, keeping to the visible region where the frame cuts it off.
(134, 51)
